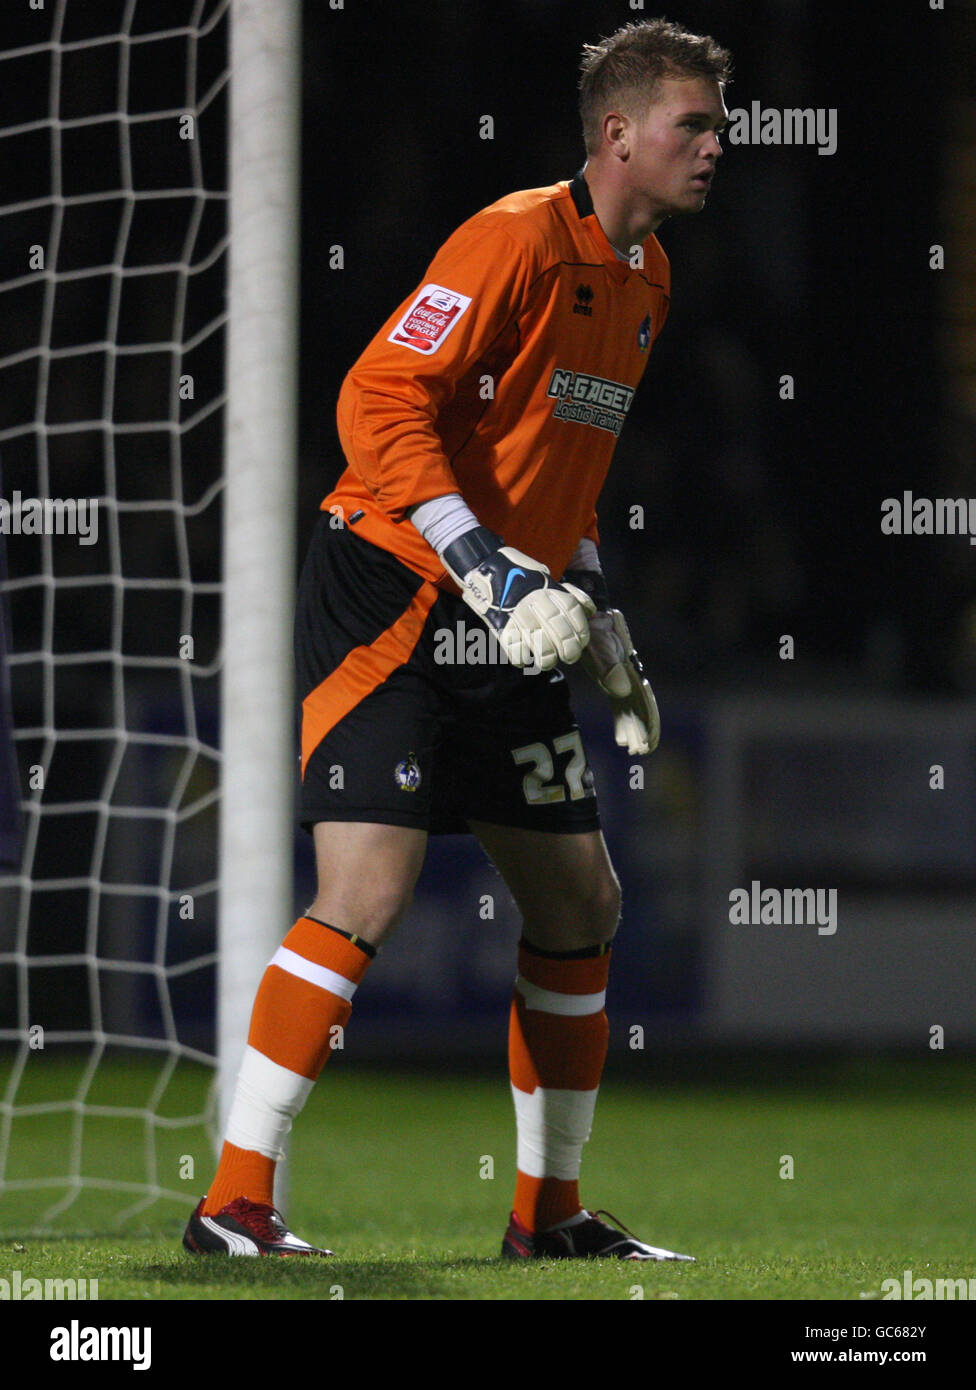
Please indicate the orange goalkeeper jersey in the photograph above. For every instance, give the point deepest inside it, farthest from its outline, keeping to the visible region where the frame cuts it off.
(506, 376)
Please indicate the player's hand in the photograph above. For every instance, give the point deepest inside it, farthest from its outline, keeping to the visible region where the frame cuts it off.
(538, 622)
(613, 663)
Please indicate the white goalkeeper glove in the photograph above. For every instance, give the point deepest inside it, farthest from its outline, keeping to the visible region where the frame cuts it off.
(613, 663)
(537, 621)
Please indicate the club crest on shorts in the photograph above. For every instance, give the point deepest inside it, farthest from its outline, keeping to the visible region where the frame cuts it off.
(406, 774)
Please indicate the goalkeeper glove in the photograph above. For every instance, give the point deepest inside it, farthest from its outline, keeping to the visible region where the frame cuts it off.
(613, 663)
(536, 620)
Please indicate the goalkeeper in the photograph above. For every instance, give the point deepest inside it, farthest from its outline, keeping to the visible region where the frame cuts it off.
(478, 427)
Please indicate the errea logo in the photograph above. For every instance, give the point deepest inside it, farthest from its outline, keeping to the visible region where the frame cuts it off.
(584, 301)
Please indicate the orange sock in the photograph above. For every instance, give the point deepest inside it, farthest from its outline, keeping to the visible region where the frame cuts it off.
(240, 1173)
(558, 1035)
(303, 1003)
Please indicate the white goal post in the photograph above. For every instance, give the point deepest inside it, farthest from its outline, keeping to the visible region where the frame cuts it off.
(257, 739)
(149, 295)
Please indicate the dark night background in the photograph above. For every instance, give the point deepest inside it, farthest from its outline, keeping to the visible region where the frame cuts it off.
(762, 516)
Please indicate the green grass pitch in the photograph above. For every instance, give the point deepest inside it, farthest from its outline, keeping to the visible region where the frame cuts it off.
(408, 1176)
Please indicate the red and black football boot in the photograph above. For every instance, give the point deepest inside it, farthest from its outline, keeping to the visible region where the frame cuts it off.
(243, 1227)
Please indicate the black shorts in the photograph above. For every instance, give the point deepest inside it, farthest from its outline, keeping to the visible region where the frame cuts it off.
(409, 714)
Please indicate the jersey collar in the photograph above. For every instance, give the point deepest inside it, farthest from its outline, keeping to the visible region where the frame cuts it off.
(583, 202)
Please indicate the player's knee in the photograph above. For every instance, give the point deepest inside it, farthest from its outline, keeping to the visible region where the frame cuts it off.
(589, 916)
(373, 911)
(378, 917)
(384, 909)
(602, 907)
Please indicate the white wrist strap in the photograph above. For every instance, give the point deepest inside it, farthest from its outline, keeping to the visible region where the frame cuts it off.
(443, 520)
(585, 556)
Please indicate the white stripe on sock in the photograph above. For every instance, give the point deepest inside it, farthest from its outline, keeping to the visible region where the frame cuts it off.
(267, 1098)
(315, 974)
(549, 1002)
(553, 1126)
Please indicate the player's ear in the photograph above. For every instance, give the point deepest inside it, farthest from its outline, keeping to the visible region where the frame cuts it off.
(616, 133)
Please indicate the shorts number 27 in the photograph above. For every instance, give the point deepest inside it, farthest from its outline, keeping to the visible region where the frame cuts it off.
(538, 785)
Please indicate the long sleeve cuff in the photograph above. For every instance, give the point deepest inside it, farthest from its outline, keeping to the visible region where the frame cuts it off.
(443, 520)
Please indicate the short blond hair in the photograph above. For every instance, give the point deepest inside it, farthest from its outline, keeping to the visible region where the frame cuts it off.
(626, 68)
